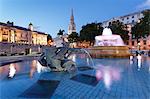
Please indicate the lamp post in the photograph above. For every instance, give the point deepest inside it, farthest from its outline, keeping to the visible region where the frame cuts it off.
(138, 36)
(11, 48)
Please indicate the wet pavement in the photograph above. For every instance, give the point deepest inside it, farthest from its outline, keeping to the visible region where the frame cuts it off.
(105, 79)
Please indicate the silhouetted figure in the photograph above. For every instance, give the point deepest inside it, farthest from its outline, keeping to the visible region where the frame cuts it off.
(149, 53)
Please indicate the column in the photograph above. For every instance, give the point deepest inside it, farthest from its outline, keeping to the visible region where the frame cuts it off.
(1, 34)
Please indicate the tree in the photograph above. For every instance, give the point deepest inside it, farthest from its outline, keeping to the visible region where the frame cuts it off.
(49, 37)
(49, 40)
(142, 29)
(61, 32)
(119, 28)
(73, 37)
(89, 31)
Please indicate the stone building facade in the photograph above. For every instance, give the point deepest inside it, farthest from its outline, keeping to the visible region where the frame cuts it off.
(16, 39)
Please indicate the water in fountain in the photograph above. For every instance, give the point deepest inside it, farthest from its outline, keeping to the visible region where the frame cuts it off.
(107, 73)
(89, 56)
(73, 55)
(108, 39)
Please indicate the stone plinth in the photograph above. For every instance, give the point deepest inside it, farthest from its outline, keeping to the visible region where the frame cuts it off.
(109, 51)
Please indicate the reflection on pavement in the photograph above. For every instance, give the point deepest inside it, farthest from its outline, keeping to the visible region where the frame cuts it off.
(139, 60)
(33, 68)
(148, 62)
(12, 70)
(37, 66)
(108, 74)
(28, 68)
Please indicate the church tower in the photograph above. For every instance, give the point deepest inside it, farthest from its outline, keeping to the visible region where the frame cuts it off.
(72, 26)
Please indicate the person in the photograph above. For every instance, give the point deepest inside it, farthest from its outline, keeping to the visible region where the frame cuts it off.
(149, 53)
(131, 57)
(137, 53)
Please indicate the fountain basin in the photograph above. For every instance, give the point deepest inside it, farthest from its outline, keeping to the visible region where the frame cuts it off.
(109, 45)
(109, 51)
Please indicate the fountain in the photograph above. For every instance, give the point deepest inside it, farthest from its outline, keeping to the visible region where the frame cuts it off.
(109, 45)
(61, 58)
(56, 59)
(108, 39)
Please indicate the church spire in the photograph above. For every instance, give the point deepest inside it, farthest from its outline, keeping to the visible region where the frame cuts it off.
(72, 26)
(72, 17)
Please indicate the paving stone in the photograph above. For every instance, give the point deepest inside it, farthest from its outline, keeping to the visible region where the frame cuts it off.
(133, 84)
(42, 89)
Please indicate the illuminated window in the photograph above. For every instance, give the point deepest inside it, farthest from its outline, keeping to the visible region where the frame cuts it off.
(144, 42)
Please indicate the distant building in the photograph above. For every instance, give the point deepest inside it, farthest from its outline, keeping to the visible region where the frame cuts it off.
(130, 20)
(16, 34)
(72, 26)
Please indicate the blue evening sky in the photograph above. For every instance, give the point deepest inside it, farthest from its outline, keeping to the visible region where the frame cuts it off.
(51, 15)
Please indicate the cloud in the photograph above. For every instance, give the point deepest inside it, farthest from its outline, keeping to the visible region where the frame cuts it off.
(145, 4)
